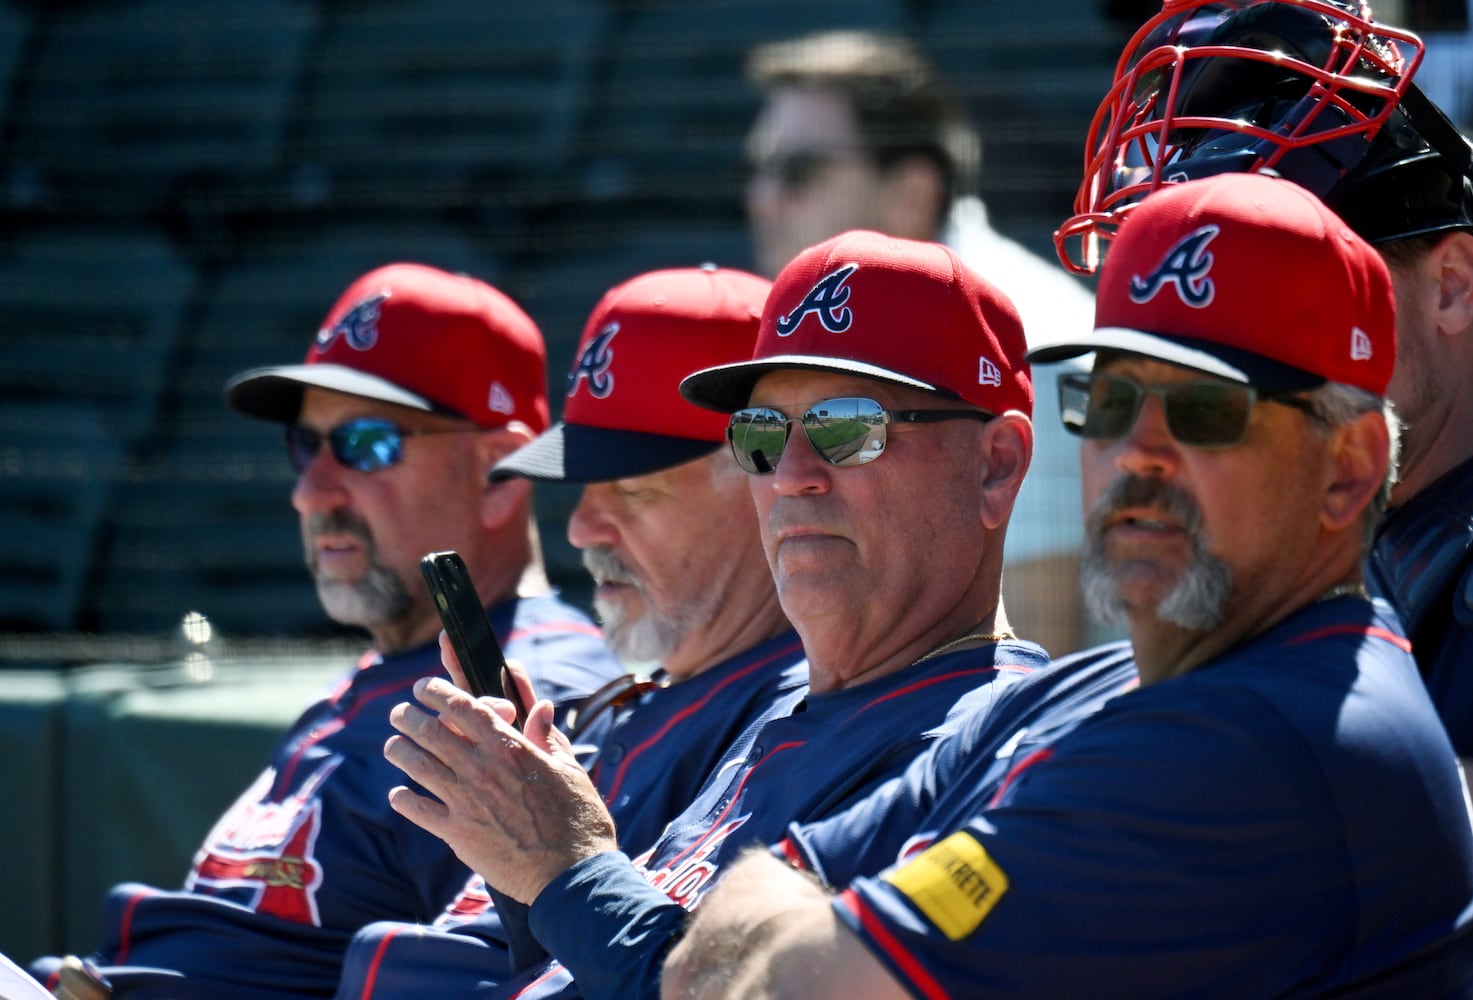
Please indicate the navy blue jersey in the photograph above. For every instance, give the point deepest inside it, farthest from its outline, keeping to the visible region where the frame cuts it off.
(1423, 563)
(890, 824)
(610, 922)
(312, 851)
(1286, 820)
(653, 761)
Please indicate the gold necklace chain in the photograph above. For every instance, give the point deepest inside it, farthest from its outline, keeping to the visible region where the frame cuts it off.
(974, 637)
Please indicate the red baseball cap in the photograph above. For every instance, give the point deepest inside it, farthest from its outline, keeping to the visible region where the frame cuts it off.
(1247, 277)
(896, 310)
(624, 414)
(417, 337)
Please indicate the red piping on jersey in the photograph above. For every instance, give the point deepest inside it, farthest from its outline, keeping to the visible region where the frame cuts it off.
(376, 962)
(552, 971)
(736, 795)
(679, 717)
(583, 627)
(914, 972)
(939, 679)
(125, 927)
(792, 856)
(1036, 757)
(1369, 631)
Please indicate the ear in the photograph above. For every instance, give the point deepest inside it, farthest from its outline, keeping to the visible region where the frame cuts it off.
(915, 190)
(1007, 450)
(1359, 453)
(1453, 258)
(505, 500)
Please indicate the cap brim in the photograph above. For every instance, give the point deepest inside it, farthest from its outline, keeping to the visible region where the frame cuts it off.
(728, 388)
(1210, 358)
(276, 393)
(574, 453)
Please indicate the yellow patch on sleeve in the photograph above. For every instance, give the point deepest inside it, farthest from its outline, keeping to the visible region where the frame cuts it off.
(953, 882)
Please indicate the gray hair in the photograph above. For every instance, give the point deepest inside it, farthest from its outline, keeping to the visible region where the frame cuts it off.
(1335, 404)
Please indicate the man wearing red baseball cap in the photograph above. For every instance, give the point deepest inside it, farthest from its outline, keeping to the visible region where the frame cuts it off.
(697, 607)
(418, 382)
(882, 422)
(1275, 810)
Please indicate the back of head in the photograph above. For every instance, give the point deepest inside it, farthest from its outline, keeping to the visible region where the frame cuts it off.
(418, 337)
(901, 105)
(1313, 90)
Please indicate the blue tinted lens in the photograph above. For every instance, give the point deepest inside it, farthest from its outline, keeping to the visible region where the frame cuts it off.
(364, 445)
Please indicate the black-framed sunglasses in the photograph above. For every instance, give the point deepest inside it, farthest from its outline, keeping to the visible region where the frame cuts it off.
(367, 444)
(845, 431)
(1205, 413)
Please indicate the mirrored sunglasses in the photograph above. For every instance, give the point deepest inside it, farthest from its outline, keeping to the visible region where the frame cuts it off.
(846, 431)
(366, 445)
(1201, 414)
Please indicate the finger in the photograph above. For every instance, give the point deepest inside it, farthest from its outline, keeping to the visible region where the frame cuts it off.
(418, 765)
(541, 732)
(451, 662)
(523, 680)
(424, 812)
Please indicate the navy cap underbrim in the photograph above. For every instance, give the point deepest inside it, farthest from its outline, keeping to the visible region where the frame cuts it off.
(275, 393)
(1223, 361)
(575, 453)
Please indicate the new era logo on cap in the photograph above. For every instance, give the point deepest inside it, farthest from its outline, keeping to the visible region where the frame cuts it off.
(1249, 278)
(897, 310)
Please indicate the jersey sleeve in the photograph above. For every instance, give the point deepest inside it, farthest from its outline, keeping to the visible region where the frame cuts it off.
(1109, 862)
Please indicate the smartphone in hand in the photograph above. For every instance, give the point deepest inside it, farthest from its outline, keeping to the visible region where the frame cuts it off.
(465, 621)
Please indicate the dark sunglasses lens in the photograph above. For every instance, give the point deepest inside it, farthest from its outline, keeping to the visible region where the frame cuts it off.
(367, 445)
(302, 444)
(1208, 414)
(1099, 407)
(846, 431)
(757, 436)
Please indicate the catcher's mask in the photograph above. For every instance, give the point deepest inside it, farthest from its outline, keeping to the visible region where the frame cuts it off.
(1312, 90)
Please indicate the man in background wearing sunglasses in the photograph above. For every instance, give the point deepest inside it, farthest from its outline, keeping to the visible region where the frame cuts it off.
(883, 423)
(859, 131)
(699, 606)
(1274, 811)
(418, 382)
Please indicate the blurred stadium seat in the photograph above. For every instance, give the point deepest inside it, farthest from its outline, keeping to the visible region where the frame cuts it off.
(93, 314)
(132, 104)
(446, 101)
(59, 469)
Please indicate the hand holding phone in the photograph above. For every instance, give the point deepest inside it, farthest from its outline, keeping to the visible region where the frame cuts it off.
(465, 621)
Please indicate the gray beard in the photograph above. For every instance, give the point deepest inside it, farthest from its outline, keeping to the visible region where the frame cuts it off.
(649, 638)
(1197, 601)
(379, 598)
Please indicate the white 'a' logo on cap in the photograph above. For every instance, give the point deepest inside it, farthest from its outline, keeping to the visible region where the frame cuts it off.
(358, 326)
(1360, 344)
(824, 300)
(988, 373)
(500, 400)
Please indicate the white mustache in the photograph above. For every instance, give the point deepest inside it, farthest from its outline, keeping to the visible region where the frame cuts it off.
(605, 567)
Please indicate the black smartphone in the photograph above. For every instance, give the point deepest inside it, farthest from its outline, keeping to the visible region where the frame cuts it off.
(465, 621)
